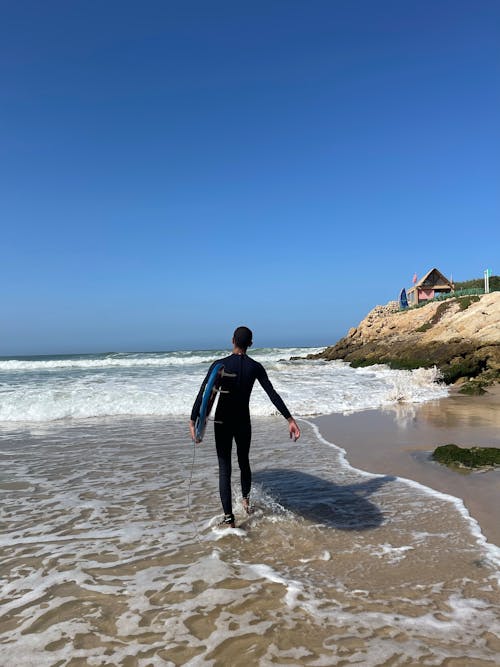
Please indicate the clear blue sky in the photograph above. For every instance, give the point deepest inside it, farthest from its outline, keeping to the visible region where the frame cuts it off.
(171, 169)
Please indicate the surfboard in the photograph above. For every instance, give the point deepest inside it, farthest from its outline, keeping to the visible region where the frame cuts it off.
(207, 401)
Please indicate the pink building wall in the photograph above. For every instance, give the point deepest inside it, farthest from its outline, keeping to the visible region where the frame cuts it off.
(424, 294)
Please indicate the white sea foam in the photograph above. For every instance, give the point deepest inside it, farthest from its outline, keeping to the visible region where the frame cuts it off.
(104, 363)
(294, 589)
(102, 533)
(166, 384)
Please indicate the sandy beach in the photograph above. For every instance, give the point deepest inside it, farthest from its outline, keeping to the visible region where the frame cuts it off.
(398, 442)
(111, 552)
(103, 561)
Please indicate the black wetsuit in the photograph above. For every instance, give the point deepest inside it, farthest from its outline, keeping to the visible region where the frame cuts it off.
(232, 418)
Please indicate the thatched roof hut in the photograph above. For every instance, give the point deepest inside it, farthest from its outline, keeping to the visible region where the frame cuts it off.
(428, 287)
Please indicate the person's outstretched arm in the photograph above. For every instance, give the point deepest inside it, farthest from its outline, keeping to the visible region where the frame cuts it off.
(278, 402)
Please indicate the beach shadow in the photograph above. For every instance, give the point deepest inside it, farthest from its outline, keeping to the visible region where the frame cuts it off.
(345, 507)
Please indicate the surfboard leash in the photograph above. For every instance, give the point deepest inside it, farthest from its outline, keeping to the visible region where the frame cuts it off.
(189, 494)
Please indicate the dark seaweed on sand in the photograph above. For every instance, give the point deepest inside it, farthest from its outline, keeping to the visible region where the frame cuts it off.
(473, 457)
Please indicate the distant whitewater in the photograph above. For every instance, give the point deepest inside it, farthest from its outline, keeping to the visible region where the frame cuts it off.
(162, 384)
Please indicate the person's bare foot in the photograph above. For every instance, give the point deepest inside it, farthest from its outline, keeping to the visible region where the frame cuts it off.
(227, 522)
(246, 505)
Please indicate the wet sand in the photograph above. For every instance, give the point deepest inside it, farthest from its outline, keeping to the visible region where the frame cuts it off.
(111, 556)
(399, 442)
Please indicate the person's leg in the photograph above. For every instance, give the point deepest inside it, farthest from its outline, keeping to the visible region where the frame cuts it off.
(223, 444)
(243, 436)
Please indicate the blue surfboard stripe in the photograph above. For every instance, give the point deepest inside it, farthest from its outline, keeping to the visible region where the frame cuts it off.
(201, 422)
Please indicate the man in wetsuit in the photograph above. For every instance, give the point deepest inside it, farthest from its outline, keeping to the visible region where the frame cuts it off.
(232, 417)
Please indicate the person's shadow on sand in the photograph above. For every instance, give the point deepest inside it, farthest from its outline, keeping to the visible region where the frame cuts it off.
(340, 506)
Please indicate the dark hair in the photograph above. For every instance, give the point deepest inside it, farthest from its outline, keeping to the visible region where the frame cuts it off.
(242, 337)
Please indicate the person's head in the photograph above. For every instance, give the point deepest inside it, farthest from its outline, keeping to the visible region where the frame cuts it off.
(242, 338)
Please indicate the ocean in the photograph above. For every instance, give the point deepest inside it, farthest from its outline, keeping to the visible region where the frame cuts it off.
(36, 390)
(110, 553)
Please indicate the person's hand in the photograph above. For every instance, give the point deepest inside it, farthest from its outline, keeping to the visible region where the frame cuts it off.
(294, 429)
(192, 431)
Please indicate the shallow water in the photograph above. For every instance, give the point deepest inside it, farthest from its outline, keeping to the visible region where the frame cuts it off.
(401, 441)
(103, 563)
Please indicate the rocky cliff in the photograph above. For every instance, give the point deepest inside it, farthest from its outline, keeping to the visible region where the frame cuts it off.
(460, 335)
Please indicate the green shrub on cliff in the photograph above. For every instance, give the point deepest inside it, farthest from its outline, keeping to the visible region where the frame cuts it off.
(479, 283)
(474, 457)
(425, 327)
(440, 311)
(465, 301)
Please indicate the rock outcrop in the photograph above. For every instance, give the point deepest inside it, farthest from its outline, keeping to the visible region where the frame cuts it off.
(460, 335)
(473, 457)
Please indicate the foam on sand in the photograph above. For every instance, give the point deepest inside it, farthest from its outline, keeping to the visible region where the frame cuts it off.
(101, 561)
